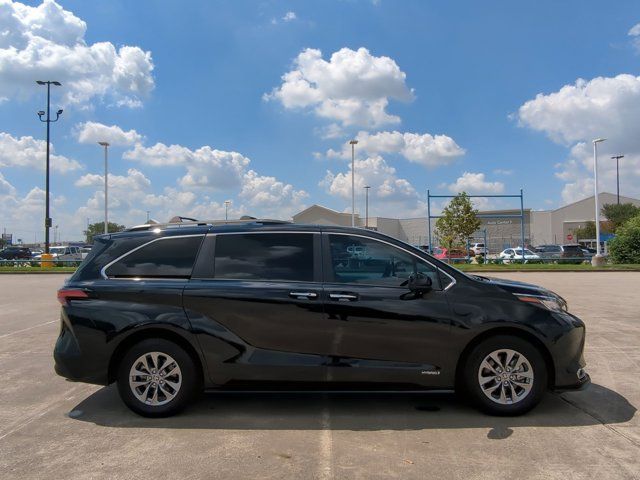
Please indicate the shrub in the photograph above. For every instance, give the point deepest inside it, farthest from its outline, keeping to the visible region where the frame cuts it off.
(479, 259)
(625, 246)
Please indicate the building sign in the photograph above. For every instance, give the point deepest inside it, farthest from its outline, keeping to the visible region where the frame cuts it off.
(569, 237)
(500, 222)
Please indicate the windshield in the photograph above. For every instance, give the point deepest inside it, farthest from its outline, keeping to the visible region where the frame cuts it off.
(57, 250)
(526, 251)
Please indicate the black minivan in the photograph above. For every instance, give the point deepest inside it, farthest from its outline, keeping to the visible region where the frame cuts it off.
(167, 311)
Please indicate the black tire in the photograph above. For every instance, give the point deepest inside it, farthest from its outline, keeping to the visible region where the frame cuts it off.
(471, 383)
(188, 376)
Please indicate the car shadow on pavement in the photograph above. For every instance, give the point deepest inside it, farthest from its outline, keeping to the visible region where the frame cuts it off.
(359, 411)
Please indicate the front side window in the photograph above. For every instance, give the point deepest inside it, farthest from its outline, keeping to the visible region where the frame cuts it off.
(366, 261)
(169, 257)
(265, 256)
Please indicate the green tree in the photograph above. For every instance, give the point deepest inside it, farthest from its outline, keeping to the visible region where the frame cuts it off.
(625, 246)
(458, 221)
(98, 229)
(618, 215)
(586, 232)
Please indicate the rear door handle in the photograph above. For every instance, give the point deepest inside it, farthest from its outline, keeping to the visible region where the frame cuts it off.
(308, 295)
(343, 297)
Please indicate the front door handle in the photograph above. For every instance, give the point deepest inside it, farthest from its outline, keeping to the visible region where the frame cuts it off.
(308, 295)
(343, 297)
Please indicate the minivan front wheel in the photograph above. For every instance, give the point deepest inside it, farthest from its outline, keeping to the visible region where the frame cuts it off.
(157, 378)
(505, 375)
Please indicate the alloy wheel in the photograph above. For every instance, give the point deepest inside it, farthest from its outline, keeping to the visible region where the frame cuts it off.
(155, 378)
(505, 376)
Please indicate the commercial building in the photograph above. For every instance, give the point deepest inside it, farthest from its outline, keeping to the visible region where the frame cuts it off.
(540, 227)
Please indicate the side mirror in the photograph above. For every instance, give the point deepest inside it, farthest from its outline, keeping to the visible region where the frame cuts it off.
(419, 283)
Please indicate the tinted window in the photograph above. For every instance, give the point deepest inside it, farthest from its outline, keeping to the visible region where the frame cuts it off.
(265, 256)
(164, 258)
(573, 249)
(366, 261)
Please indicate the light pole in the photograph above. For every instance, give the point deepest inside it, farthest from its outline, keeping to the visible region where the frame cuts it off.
(597, 258)
(106, 188)
(47, 219)
(226, 209)
(366, 221)
(617, 159)
(353, 182)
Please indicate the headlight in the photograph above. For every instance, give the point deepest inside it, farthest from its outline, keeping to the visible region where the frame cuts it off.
(555, 304)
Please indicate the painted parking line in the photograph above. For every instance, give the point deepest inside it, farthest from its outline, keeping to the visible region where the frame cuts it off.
(28, 328)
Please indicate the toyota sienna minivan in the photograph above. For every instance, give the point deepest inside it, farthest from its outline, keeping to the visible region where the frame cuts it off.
(167, 311)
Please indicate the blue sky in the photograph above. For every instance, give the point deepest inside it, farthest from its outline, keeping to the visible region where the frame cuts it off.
(480, 96)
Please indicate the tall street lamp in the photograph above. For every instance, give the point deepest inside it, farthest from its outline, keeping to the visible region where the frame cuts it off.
(353, 182)
(597, 258)
(366, 221)
(617, 159)
(226, 209)
(47, 219)
(106, 188)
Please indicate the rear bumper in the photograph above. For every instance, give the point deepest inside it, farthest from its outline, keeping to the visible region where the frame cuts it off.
(74, 364)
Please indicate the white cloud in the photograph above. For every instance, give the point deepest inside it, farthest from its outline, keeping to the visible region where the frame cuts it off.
(424, 149)
(503, 171)
(576, 114)
(93, 132)
(5, 187)
(30, 153)
(634, 33)
(47, 42)
(475, 183)
(353, 88)
(271, 196)
(134, 180)
(289, 17)
(388, 193)
(205, 167)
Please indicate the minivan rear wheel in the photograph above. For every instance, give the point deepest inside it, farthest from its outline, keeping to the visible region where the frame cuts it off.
(505, 375)
(157, 378)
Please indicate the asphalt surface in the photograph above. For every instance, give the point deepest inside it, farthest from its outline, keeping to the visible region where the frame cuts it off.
(51, 429)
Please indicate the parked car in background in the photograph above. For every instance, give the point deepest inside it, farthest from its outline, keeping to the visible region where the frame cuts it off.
(478, 249)
(570, 253)
(15, 253)
(84, 251)
(36, 252)
(64, 254)
(443, 253)
(515, 254)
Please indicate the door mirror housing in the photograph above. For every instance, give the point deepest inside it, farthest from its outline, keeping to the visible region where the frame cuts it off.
(419, 283)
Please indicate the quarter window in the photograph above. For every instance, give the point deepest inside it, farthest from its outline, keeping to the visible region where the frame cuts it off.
(265, 256)
(165, 258)
(366, 261)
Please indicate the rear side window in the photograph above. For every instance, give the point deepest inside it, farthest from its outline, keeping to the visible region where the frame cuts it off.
(265, 256)
(169, 257)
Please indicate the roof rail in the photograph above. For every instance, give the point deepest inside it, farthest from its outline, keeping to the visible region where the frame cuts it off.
(198, 223)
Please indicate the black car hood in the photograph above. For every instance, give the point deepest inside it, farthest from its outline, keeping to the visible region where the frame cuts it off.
(516, 287)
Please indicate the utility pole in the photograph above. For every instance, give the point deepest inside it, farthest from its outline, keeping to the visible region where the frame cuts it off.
(353, 182)
(366, 221)
(106, 186)
(617, 159)
(597, 259)
(47, 218)
(226, 209)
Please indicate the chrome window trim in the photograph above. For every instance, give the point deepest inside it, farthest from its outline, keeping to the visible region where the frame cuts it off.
(453, 280)
(103, 270)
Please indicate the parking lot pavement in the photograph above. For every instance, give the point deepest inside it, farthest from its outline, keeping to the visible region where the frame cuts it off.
(50, 428)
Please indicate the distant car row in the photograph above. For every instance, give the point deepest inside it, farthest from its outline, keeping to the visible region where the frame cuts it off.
(573, 253)
(59, 253)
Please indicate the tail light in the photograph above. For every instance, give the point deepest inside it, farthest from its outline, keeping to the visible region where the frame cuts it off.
(66, 294)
